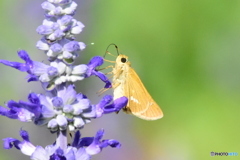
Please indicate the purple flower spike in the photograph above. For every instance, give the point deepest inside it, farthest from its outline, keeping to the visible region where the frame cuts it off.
(36, 70)
(81, 148)
(61, 108)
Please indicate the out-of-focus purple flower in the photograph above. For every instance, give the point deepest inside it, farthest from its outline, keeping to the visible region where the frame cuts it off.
(59, 28)
(80, 149)
(64, 49)
(57, 72)
(23, 111)
(92, 65)
(24, 67)
(97, 145)
(61, 108)
(103, 107)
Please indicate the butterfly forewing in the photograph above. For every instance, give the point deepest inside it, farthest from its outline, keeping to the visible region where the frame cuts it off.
(140, 103)
(134, 91)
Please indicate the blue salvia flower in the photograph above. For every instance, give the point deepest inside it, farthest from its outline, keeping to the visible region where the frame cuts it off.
(79, 149)
(57, 72)
(61, 108)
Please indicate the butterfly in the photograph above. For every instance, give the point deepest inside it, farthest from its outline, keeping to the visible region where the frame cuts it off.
(127, 83)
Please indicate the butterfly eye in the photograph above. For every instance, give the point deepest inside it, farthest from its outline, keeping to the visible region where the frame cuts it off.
(123, 60)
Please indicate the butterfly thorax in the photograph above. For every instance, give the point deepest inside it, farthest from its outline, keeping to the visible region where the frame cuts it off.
(120, 73)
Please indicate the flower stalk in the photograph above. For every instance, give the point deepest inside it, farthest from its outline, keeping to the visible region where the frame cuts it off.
(61, 108)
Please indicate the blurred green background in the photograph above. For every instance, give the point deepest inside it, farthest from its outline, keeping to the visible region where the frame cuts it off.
(186, 53)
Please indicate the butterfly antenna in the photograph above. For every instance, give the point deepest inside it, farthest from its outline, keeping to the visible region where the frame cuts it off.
(109, 52)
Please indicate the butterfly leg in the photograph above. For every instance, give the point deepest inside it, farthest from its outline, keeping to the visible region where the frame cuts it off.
(109, 61)
(109, 73)
(106, 68)
(111, 66)
(115, 85)
(101, 91)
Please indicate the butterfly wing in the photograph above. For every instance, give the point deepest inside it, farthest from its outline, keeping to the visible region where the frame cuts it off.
(140, 102)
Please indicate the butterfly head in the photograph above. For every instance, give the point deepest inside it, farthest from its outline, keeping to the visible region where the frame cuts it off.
(122, 60)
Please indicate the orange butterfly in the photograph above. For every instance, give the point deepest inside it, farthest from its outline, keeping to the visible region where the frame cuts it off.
(127, 83)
